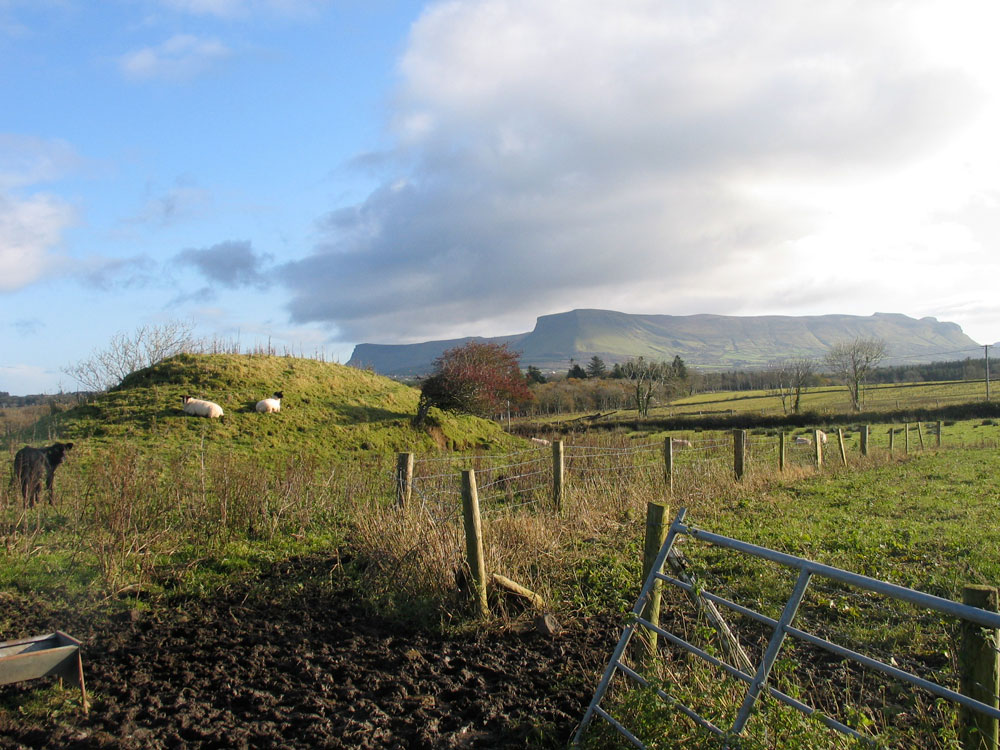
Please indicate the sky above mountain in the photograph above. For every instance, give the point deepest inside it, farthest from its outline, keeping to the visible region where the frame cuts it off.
(311, 174)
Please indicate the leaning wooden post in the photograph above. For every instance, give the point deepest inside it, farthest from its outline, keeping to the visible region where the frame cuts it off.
(920, 436)
(558, 474)
(656, 535)
(843, 450)
(739, 453)
(781, 451)
(404, 478)
(979, 672)
(892, 437)
(939, 434)
(474, 540)
(906, 437)
(668, 463)
(818, 449)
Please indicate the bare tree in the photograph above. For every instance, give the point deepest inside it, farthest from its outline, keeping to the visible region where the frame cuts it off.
(126, 353)
(789, 378)
(646, 377)
(852, 361)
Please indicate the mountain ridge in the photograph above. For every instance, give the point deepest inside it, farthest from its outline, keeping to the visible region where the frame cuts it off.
(704, 340)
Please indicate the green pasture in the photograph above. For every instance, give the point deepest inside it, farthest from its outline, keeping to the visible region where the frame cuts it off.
(153, 503)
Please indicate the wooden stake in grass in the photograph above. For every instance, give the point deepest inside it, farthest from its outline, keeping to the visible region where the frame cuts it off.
(739, 453)
(920, 436)
(818, 448)
(906, 438)
(843, 450)
(558, 469)
(781, 451)
(656, 535)
(864, 440)
(979, 672)
(404, 478)
(892, 437)
(939, 434)
(668, 463)
(474, 540)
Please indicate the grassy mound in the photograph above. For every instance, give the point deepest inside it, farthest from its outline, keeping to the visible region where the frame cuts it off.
(328, 411)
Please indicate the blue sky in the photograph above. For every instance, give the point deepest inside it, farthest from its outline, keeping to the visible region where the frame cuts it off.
(318, 173)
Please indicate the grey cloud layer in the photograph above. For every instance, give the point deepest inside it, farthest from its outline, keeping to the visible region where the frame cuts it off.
(229, 264)
(561, 154)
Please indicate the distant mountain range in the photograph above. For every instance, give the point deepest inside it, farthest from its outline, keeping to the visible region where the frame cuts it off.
(708, 341)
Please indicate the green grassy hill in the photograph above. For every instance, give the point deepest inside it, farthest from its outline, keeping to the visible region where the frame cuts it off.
(328, 410)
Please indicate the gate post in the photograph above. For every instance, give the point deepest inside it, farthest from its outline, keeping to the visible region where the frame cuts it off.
(474, 540)
(979, 675)
(656, 535)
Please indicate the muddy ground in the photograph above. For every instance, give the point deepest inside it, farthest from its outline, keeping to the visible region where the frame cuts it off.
(265, 664)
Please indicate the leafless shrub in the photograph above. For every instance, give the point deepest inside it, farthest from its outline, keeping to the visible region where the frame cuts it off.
(126, 353)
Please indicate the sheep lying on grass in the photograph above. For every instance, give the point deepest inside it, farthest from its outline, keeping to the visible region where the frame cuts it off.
(270, 405)
(30, 464)
(198, 408)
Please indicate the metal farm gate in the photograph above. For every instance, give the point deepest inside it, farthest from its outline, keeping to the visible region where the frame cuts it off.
(756, 677)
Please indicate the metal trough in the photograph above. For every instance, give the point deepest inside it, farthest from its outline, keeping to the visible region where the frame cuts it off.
(55, 654)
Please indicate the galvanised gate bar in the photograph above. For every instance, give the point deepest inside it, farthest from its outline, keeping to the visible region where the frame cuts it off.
(782, 628)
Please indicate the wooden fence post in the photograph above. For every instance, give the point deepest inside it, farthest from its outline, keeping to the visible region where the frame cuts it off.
(906, 437)
(892, 437)
(404, 478)
(818, 449)
(939, 434)
(474, 540)
(668, 463)
(656, 535)
(781, 451)
(864, 440)
(558, 474)
(920, 435)
(843, 450)
(979, 672)
(739, 453)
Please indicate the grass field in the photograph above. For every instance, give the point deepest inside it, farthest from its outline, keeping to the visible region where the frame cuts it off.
(156, 505)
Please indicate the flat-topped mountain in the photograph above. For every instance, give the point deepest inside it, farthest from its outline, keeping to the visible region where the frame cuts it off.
(707, 341)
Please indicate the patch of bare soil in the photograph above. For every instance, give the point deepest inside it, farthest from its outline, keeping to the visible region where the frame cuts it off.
(292, 659)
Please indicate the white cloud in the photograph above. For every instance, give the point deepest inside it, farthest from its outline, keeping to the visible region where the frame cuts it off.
(181, 57)
(671, 157)
(31, 222)
(30, 229)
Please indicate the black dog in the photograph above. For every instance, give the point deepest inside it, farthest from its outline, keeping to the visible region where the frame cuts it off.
(30, 464)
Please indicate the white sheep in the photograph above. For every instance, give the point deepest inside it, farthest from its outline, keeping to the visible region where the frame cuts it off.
(198, 408)
(270, 405)
(540, 441)
(800, 440)
(821, 436)
(680, 443)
